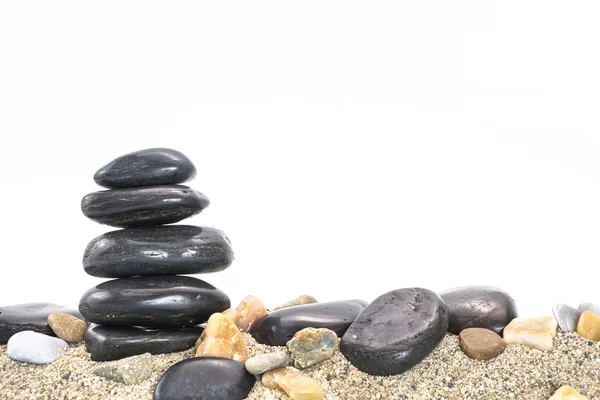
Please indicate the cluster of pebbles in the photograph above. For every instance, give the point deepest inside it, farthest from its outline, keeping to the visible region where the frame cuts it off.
(407, 343)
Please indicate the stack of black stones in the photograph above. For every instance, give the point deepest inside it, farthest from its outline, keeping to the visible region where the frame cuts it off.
(149, 307)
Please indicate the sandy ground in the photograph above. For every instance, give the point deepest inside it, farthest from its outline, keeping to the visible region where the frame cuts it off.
(447, 374)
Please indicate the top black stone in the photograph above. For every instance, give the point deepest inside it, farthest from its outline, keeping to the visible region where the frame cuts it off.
(157, 166)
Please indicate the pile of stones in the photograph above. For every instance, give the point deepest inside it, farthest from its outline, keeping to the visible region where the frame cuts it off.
(149, 307)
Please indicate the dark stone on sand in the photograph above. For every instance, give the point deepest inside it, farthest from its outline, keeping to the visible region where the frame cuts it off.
(149, 167)
(105, 343)
(396, 331)
(479, 307)
(163, 250)
(29, 317)
(153, 301)
(144, 206)
(278, 327)
(205, 378)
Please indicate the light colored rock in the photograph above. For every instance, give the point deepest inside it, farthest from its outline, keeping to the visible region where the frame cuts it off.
(566, 317)
(262, 363)
(589, 326)
(293, 382)
(130, 370)
(67, 327)
(221, 338)
(535, 332)
(566, 392)
(593, 307)
(35, 348)
(300, 300)
(311, 346)
(480, 343)
(232, 314)
(249, 310)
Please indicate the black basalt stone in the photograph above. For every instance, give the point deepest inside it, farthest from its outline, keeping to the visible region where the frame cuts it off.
(145, 206)
(278, 327)
(164, 250)
(158, 166)
(153, 301)
(29, 317)
(105, 343)
(205, 378)
(479, 307)
(396, 331)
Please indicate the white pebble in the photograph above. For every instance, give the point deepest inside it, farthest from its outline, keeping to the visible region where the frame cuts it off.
(34, 348)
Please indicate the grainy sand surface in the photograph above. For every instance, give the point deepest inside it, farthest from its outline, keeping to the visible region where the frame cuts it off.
(447, 374)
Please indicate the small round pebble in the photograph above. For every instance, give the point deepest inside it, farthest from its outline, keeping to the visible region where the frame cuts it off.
(481, 343)
(67, 327)
(262, 363)
(34, 348)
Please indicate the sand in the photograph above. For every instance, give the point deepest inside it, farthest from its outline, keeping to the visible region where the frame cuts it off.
(446, 374)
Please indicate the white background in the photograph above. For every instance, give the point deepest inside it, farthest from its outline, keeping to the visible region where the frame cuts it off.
(348, 149)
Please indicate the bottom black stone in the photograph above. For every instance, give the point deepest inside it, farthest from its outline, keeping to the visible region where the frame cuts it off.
(106, 343)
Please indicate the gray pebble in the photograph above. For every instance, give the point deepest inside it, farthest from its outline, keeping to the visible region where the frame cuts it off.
(566, 316)
(130, 371)
(595, 308)
(260, 364)
(35, 348)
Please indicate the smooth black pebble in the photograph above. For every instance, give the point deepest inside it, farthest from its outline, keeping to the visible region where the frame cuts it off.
(163, 250)
(105, 343)
(479, 307)
(29, 317)
(279, 326)
(144, 206)
(149, 167)
(396, 331)
(205, 378)
(153, 301)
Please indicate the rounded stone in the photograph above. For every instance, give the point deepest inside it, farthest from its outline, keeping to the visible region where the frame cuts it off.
(67, 327)
(481, 344)
(105, 343)
(262, 363)
(278, 327)
(153, 301)
(163, 250)
(34, 348)
(589, 326)
(205, 378)
(396, 331)
(145, 206)
(149, 167)
(479, 307)
(311, 346)
(566, 317)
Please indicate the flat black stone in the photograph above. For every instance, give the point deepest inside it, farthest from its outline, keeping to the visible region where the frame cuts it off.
(105, 343)
(145, 206)
(158, 166)
(396, 331)
(205, 378)
(278, 327)
(29, 317)
(163, 250)
(153, 301)
(479, 307)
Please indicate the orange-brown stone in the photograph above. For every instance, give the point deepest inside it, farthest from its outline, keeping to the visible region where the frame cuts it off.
(249, 310)
(589, 326)
(221, 338)
(294, 383)
(480, 343)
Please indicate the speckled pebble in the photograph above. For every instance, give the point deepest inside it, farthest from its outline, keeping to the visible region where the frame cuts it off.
(262, 363)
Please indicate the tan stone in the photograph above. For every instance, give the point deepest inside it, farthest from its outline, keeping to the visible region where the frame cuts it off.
(249, 310)
(480, 343)
(67, 327)
(566, 392)
(589, 326)
(535, 332)
(311, 346)
(293, 382)
(232, 314)
(298, 301)
(221, 338)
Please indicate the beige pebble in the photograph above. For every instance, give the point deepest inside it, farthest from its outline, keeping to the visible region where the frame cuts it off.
(589, 326)
(300, 300)
(221, 338)
(566, 392)
(294, 383)
(480, 343)
(67, 327)
(535, 332)
(249, 310)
